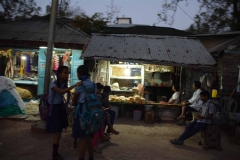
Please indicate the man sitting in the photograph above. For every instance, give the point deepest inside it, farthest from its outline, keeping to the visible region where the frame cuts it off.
(201, 120)
(193, 104)
(175, 97)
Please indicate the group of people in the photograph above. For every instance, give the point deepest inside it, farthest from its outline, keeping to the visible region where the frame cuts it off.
(202, 107)
(57, 120)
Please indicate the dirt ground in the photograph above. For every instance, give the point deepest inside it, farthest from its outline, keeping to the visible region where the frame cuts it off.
(136, 141)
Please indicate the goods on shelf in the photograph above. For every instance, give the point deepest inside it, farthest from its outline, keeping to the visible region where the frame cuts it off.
(136, 99)
(115, 86)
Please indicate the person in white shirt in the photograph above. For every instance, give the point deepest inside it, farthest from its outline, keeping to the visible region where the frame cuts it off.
(193, 104)
(175, 96)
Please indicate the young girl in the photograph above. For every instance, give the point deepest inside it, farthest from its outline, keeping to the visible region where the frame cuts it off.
(79, 100)
(99, 134)
(57, 119)
(106, 115)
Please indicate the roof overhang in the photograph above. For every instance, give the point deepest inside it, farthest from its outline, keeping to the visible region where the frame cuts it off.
(37, 44)
(164, 50)
(34, 31)
(220, 47)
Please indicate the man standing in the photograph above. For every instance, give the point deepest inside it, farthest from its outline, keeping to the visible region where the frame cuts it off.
(201, 120)
(193, 104)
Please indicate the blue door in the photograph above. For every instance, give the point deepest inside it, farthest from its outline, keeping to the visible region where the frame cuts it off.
(41, 69)
(76, 61)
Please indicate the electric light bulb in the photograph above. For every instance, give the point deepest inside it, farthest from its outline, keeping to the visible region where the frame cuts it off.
(23, 57)
(127, 72)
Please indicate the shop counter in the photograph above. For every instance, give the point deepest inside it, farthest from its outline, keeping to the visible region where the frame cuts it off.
(25, 82)
(154, 104)
(160, 107)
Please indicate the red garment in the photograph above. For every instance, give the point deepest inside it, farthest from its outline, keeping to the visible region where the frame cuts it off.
(96, 137)
(56, 63)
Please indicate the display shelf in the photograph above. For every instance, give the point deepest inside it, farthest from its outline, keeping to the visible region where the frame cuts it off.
(160, 86)
(126, 66)
(25, 82)
(121, 91)
(156, 71)
(125, 72)
(122, 77)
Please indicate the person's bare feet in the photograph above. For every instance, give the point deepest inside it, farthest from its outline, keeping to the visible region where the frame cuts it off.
(181, 117)
(111, 130)
(105, 138)
(97, 150)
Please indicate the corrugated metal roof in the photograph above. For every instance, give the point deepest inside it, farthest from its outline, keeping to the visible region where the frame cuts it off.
(143, 30)
(37, 30)
(126, 25)
(218, 48)
(152, 49)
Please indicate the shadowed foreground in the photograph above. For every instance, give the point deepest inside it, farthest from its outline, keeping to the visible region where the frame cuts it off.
(136, 141)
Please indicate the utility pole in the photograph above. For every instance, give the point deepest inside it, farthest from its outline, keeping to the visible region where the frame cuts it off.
(50, 45)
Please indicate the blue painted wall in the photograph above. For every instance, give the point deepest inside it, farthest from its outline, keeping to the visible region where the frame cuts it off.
(76, 61)
(41, 70)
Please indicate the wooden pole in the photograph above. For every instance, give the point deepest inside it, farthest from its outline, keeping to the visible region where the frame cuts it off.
(50, 45)
(180, 84)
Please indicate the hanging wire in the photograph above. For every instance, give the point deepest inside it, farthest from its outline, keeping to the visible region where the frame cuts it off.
(186, 13)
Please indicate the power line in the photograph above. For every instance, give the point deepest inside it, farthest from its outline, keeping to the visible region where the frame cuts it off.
(186, 13)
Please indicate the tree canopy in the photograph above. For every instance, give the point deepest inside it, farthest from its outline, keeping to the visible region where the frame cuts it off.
(90, 25)
(66, 9)
(18, 9)
(214, 15)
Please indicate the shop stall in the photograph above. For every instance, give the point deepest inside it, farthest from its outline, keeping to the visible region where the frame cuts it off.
(141, 69)
(26, 67)
(23, 46)
(137, 85)
(146, 80)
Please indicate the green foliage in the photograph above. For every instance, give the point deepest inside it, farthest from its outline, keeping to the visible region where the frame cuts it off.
(90, 25)
(66, 9)
(18, 9)
(214, 15)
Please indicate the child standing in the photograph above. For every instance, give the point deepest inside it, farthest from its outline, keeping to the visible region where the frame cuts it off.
(57, 119)
(99, 134)
(106, 116)
(79, 100)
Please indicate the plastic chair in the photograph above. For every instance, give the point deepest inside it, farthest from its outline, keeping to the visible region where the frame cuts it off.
(230, 107)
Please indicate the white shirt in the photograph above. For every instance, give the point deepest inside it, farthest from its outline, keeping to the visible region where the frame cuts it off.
(196, 100)
(175, 96)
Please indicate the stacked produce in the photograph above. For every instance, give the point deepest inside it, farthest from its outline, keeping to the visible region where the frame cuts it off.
(136, 99)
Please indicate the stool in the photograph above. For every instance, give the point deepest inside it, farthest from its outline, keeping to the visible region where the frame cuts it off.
(149, 117)
(211, 137)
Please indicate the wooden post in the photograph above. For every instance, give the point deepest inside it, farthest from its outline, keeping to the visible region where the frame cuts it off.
(180, 85)
(50, 45)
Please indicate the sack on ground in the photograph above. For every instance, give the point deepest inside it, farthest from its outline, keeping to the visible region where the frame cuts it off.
(24, 93)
